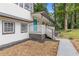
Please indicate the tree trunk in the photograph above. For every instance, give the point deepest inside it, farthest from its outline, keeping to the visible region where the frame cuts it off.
(55, 15)
(72, 22)
(65, 17)
(75, 17)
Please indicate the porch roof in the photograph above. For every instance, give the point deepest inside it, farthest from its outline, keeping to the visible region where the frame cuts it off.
(46, 15)
(43, 13)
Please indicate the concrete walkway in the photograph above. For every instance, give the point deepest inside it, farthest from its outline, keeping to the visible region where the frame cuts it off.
(66, 48)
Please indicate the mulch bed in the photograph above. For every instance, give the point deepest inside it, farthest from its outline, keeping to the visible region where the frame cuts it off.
(32, 48)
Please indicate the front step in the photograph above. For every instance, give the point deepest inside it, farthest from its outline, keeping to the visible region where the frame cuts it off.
(37, 36)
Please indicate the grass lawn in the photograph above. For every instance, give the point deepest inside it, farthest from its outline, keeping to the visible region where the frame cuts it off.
(32, 48)
(72, 34)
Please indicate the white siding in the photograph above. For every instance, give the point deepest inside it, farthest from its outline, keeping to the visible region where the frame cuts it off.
(8, 38)
(40, 29)
(14, 11)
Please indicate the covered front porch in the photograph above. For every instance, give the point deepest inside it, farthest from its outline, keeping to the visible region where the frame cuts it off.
(42, 32)
(40, 28)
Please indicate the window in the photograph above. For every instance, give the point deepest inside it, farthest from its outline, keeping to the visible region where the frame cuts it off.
(23, 28)
(21, 5)
(26, 6)
(8, 27)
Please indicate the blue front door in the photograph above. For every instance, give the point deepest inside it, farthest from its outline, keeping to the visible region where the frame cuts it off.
(35, 24)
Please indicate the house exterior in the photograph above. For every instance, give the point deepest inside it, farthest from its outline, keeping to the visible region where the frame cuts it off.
(14, 23)
(27, 6)
(40, 27)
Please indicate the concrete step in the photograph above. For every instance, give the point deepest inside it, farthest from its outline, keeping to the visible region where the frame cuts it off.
(37, 36)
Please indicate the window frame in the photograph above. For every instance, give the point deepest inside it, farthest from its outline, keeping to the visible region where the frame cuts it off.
(3, 27)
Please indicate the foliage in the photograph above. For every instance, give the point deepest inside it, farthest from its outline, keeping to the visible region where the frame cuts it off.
(72, 13)
(38, 7)
(70, 33)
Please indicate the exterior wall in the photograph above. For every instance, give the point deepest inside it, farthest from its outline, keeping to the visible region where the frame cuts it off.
(14, 11)
(8, 38)
(40, 29)
(27, 6)
(30, 7)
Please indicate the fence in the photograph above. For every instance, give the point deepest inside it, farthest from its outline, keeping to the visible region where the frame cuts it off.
(50, 32)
